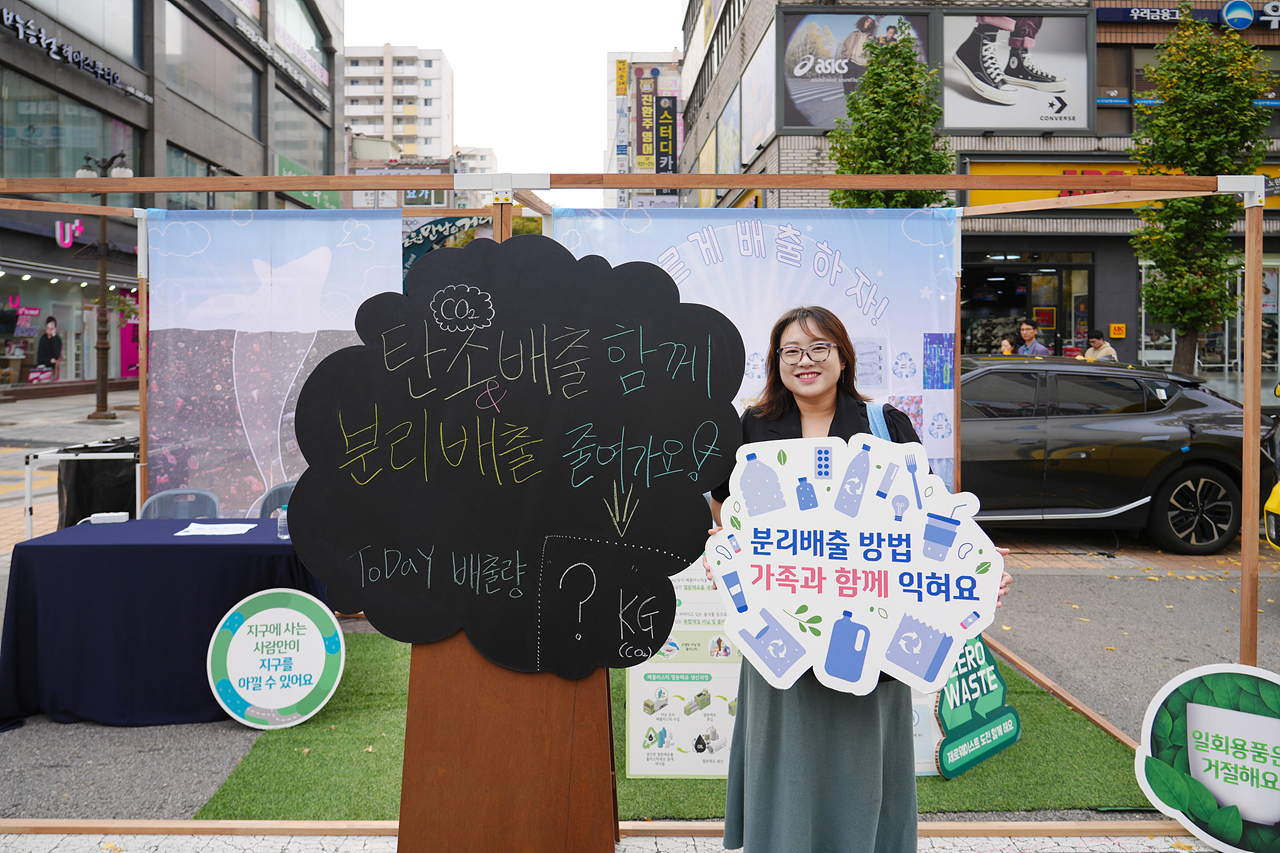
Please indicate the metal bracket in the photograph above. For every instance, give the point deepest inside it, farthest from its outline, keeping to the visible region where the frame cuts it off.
(502, 184)
(1252, 187)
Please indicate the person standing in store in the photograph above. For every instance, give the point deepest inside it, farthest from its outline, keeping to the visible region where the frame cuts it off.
(49, 349)
(1099, 349)
(1030, 346)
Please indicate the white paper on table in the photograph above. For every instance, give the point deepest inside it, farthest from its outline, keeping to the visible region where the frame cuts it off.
(197, 529)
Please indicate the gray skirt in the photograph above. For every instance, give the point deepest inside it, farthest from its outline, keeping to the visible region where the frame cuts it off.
(813, 770)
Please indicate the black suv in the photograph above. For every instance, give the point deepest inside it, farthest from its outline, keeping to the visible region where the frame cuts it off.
(1056, 442)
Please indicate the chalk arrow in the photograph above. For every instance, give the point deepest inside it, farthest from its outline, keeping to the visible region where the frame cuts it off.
(621, 515)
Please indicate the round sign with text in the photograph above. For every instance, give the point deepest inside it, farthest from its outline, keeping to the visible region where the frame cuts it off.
(1210, 755)
(276, 659)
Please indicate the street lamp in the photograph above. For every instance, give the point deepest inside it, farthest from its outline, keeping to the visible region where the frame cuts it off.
(96, 167)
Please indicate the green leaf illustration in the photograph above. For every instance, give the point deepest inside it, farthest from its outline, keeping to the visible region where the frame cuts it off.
(1179, 734)
(803, 608)
(815, 632)
(1227, 825)
(734, 523)
(1164, 724)
(1176, 703)
(983, 568)
(1201, 805)
(1224, 689)
(803, 629)
(1167, 784)
(1182, 763)
(813, 620)
(1270, 694)
(1204, 696)
(1247, 683)
(782, 457)
(1251, 704)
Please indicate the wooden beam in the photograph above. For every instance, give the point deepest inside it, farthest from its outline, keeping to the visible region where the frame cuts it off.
(628, 828)
(1250, 472)
(531, 201)
(1075, 704)
(420, 212)
(1088, 200)
(59, 207)
(1153, 183)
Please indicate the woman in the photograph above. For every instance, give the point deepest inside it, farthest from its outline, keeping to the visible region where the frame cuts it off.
(812, 768)
(1009, 344)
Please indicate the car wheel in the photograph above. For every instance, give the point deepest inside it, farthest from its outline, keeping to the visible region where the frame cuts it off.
(1195, 511)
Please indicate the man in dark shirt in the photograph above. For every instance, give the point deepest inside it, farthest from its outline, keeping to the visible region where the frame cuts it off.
(1030, 346)
(49, 350)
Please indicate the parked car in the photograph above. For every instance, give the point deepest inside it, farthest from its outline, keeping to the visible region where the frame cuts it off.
(1055, 442)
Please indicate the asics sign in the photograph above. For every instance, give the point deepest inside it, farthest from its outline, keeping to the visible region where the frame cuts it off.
(820, 66)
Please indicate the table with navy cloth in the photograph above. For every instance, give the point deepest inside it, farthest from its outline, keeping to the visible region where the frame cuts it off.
(111, 622)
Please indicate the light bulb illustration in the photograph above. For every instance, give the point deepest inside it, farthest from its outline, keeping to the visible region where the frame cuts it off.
(900, 504)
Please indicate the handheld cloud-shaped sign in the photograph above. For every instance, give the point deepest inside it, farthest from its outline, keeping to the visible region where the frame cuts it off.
(519, 450)
(851, 559)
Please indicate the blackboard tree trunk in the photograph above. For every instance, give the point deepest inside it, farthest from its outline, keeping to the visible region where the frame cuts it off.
(891, 127)
(1204, 122)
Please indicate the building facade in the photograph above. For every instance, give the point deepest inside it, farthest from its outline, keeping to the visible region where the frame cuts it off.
(404, 94)
(765, 80)
(473, 161)
(182, 88)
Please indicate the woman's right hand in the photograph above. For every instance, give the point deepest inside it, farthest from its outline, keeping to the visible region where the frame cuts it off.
(706, 564)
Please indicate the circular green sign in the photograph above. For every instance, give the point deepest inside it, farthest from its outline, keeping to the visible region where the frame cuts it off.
(276, 659)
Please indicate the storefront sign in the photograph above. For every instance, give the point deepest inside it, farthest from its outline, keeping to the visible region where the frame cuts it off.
(319, 199)
(620, 69)
(286, 40)
(282, 62)
(666, 128)
(646, 98)
(28, 32)
(1117, 330)
(65, 233)
(1152, 15)
(1077, 168)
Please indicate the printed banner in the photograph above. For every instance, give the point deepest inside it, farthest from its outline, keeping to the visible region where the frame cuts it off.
(889, 274)
(244, 304)
(850, 560)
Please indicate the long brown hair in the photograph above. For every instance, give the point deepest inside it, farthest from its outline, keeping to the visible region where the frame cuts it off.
(816, 322)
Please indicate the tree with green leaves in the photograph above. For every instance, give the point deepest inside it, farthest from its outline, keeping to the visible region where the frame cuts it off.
(892, 127)
(1203, 123)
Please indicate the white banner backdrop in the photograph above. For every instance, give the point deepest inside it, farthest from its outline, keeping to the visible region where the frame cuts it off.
(244, 304)
(889, 274)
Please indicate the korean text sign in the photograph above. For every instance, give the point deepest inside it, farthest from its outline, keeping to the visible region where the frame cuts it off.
(851, 560)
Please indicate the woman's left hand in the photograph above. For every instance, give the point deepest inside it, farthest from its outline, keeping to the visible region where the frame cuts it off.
(1005, 580)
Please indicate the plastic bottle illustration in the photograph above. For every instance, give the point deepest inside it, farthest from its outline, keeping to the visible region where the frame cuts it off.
(760, 487)
(849, 500)
(734, 585)
(805, 497)
(848, 649)
(887, 482)
(282, 522)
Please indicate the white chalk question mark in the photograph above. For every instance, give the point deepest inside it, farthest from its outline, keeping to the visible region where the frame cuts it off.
(589, 594)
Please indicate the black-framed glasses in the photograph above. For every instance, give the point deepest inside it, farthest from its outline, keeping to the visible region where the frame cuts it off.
(817, 353)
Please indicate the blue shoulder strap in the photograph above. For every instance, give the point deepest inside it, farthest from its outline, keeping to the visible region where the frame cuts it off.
(878, 426)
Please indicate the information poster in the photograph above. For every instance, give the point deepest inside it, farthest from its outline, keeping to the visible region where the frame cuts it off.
(683, 701)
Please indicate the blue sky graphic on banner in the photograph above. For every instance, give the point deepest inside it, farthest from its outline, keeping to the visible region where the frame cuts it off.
(244, 304)
(889, 274)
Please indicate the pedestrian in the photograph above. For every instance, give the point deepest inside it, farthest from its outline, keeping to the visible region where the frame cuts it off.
(49, 348)
(811, 768)
(1009, 344)
(1030, 346)
(1099, 349)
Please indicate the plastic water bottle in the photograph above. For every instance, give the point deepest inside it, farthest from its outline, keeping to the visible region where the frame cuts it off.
(805, 496)
(282, 522)
(849, 500)
(760, 487)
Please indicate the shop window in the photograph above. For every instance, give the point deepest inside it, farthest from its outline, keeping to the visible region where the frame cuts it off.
(1113, 72)
(300, 137)
(113, 24)
(204, 71)
(1115, 122)
(303, 36)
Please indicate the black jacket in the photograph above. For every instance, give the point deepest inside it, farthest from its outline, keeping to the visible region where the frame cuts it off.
(850, 419)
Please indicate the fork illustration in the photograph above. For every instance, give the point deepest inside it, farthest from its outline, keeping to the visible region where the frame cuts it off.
(912, 467)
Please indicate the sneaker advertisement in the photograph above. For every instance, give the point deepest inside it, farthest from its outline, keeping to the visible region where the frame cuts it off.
(1005, 73)
(825, 58)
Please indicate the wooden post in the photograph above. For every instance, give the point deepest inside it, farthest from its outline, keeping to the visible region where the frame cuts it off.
(503, 760)
(501, 222)
(1250, 479)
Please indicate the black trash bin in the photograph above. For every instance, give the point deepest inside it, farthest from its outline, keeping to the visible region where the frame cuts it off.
(87, 485)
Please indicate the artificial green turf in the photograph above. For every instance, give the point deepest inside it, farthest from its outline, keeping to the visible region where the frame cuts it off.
(1062, 760)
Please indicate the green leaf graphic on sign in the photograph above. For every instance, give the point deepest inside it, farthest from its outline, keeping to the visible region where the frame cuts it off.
(1270, 694)
(815, 632)
(1252, 704)
(1163, 725)
(1224, 689)
(782, 457)
(803, 608)
(1246, 683)
(1226, 824)
(1201, 805)
(1179, 734)
(983, 568)
(734, 523)
(1167, 784)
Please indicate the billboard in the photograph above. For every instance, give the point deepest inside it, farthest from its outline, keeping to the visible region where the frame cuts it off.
(729, 137)
(760, 96)
(1008, 73)
(825, 56)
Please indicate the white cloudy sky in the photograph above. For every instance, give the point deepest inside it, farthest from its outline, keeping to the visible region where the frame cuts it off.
(529, 77)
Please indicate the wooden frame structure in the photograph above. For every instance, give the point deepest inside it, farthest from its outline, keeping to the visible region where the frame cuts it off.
(574, 814)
